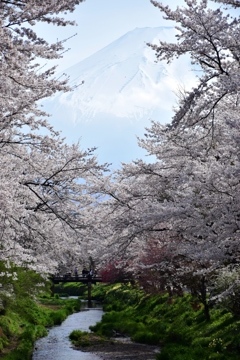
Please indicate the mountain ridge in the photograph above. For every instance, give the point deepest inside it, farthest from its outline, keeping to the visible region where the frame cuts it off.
(124, 89)
(122, 79)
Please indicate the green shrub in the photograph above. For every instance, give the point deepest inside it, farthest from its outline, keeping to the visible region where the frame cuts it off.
(177, 324)
(28, 333)
(105, 329)
(3, 339)
(58, 316)
(174, 336)
(178, 352)
(23, 352)
(146, 337)
(80, 338)
(8, 326)
(76, 334)
(155, 325)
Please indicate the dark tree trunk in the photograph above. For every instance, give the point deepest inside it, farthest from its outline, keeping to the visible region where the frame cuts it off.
(203, 298)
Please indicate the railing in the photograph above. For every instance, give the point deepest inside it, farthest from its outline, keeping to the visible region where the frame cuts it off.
(76, 278)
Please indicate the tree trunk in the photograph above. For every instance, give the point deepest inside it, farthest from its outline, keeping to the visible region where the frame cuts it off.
(203, 298)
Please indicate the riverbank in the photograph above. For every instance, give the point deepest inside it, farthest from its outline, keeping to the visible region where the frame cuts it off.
(25, 320)
(176, 324)
(112, 348)
(57, 345)
(122, 349)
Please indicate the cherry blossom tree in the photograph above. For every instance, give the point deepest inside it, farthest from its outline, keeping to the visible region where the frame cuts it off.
(23, 81)
(45, 196)
(211, 38)
(191, 191)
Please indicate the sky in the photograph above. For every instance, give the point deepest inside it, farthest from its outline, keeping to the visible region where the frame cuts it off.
(101, 22)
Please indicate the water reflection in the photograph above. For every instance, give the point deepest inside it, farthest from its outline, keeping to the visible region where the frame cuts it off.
(57, 346)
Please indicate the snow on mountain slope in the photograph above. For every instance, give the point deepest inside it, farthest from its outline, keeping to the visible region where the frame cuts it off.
(124, 88)
(123, 79)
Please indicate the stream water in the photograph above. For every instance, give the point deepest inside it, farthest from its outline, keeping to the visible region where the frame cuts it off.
(57, 346)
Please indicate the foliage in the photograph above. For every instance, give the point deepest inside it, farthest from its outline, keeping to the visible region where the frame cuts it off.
(174, 222)
(70, 289)
(115, 271)
(45, 183)
(27, 314)
(83, 338)
(25, 321)
(176, 324)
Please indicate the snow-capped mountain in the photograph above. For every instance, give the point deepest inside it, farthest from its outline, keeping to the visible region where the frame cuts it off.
(123, 89)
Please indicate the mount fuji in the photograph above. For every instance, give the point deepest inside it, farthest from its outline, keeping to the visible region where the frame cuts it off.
(116, 93)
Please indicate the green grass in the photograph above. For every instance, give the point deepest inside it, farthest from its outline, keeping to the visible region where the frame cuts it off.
(25, 314)
(83, 339)
(26, 320)
(177, 325)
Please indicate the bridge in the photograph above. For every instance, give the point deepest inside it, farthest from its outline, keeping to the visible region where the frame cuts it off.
(85, 279)
(56, 279)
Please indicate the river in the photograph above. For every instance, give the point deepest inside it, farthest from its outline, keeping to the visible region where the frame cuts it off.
(57, 346)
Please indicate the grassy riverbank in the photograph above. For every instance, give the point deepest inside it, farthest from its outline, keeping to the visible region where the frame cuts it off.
(176, 324)
(25, 320)
(27, 308)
